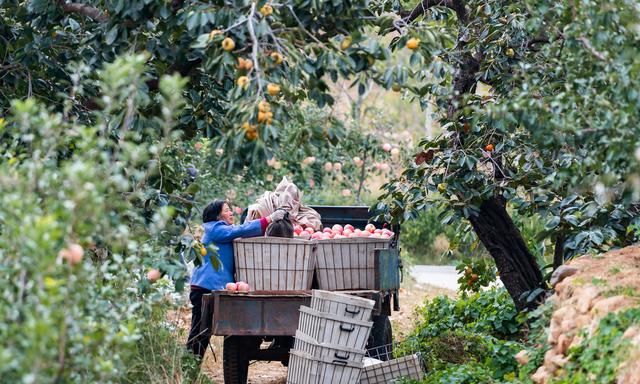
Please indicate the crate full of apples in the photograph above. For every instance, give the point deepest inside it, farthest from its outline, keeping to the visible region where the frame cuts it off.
(346, 232)
(345, 256)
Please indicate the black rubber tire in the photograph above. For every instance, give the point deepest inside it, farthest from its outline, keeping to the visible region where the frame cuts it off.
(235, 363)
(381, 336)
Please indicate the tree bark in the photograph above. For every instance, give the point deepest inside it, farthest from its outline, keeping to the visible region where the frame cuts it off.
(518, 269)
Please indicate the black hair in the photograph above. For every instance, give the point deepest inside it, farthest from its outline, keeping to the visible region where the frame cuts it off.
(281, 228)
(212, 211)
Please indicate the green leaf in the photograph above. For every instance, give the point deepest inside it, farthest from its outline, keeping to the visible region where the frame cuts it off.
(552, 223)
(111, 36)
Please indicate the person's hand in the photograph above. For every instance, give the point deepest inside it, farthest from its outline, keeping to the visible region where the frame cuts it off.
(277, 215)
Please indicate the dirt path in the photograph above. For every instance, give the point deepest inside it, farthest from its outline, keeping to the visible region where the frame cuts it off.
(411, 296)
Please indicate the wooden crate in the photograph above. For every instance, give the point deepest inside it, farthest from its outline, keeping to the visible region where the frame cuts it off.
(309, 345)
(343, 264)
(333, 329)
(392, 371)
(353, 307)
(306, 369)
(274, 263)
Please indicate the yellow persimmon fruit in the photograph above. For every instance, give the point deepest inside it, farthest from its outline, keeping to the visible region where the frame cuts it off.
(273, 89)
(264, 106)
(276, 57)
(266, 10)
(243, 82)
(413, 43)
(228, 44)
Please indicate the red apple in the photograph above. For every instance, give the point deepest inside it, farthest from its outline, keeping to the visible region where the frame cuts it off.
(349, 227)
(153, 275)
(385, 236)
(326, 230)
(72, 254)
(337, 228)
(370, 228)
(347, 232)
(352, 235)
(242, 286)
(232, 287)
(377, 230)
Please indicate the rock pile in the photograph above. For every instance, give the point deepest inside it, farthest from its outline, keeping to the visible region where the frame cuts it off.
(587, 289)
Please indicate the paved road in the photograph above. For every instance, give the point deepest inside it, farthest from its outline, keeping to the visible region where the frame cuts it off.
(436, 275)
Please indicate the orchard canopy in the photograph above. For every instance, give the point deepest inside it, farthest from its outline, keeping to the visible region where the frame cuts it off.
(538, 101)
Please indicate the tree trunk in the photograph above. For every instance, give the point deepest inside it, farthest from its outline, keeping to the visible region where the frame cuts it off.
(518, 269)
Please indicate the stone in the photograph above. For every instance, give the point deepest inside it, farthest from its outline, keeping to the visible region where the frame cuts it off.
(585, 298)
(541, 376)
(610, 304)
(522, 357)
(561, 273)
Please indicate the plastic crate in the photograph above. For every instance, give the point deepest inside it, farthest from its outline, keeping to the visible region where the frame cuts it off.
(341, 304)
(343, 264)
(333, 329)
(306, 369)
(388, 370)
(274, 263)
(307, 344)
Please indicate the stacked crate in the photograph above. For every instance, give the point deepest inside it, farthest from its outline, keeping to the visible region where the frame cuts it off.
(331, 338)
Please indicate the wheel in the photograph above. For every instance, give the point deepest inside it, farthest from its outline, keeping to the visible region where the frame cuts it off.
(235, 361)
(381, 338)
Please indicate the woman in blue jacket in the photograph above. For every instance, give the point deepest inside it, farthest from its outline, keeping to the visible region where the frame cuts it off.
(219, 229)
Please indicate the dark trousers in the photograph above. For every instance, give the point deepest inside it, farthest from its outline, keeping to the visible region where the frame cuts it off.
(198, 340)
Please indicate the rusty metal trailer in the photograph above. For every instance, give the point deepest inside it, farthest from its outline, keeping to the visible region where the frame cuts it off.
(250, 321)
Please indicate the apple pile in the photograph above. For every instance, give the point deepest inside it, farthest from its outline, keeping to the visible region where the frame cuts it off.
(240, 286)
(340, 232)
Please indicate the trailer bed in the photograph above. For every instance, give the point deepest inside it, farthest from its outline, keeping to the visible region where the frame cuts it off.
(257, 313)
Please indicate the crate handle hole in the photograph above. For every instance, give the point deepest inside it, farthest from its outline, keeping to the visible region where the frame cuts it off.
(347, 329)
(352, 311)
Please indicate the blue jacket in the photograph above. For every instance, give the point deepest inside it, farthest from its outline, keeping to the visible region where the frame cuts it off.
(222, 235)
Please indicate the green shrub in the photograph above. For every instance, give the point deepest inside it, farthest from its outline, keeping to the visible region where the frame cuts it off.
(160, 356)
(472, 373)
(66, 186)
(491, 311)
(470, 339)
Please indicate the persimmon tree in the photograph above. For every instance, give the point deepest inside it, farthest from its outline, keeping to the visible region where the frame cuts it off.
(539, 110)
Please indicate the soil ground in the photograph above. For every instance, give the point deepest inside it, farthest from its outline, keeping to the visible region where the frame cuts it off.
(412, 295)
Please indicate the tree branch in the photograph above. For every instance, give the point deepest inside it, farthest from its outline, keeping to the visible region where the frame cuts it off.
(590, 48)
(421, 8)
(85, 10)
(254, 49)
